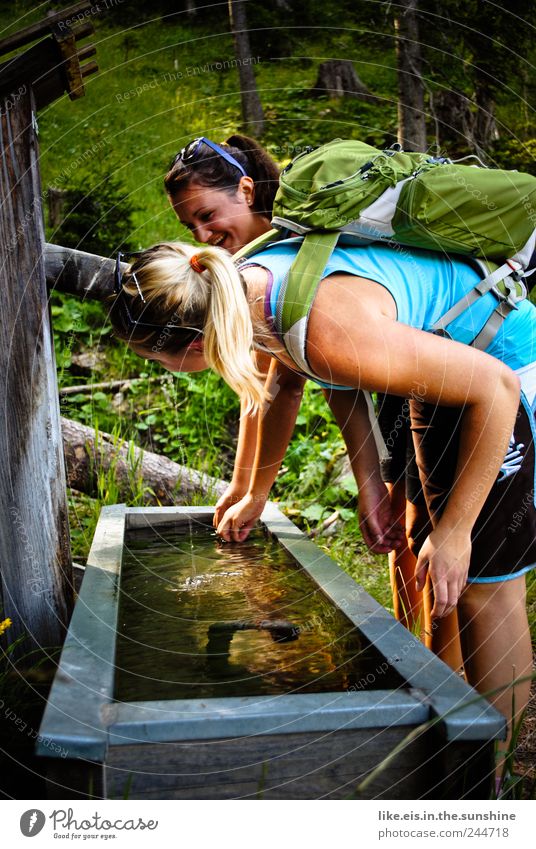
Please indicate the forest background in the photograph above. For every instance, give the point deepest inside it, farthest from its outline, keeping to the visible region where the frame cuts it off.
(455, 79)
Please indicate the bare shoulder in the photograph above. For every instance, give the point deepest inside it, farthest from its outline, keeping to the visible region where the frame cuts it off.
(347, 291)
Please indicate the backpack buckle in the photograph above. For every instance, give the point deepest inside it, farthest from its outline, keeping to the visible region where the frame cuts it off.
(517, 272)
(510, 290)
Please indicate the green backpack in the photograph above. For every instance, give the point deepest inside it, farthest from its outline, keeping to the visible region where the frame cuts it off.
(349, 193)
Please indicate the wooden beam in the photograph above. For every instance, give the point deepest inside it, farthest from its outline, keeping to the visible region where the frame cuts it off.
(51, 67)
(66, 41)
(35, 562)
(79, 273)
(71, 15)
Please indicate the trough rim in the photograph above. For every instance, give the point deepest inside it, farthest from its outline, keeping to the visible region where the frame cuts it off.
(81, 719)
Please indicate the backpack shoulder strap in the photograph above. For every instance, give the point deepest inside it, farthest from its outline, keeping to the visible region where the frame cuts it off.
(507, 286)
(258, 244)
(300, 285)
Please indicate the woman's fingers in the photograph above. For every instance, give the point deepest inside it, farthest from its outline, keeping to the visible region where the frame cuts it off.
(220, 509)
(230, 497)
(238, 520)
(421, 570)
(445, 557)
(381, 535)
(445, 599)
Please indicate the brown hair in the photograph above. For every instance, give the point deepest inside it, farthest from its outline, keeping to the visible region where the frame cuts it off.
(215, 172)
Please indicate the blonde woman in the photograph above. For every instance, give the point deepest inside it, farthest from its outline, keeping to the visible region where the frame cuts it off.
(189, 309)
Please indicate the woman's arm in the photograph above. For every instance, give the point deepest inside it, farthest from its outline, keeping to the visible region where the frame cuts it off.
(354, 339)
(275, 426)
(378, 527)
(275, 430)
(245, 451)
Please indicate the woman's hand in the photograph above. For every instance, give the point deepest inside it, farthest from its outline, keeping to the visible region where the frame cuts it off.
(239, 519)
(445, 556)
(381, 532)
(232, 495)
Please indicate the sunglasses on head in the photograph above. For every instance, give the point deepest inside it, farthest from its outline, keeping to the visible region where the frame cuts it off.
(191, 151)
(181, 334)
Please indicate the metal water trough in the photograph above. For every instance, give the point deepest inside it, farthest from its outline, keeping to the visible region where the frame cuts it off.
(293, 746)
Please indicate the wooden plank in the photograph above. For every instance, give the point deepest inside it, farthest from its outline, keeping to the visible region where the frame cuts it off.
(49, 67)
(35, 561)
(72, 14)
(292, 766)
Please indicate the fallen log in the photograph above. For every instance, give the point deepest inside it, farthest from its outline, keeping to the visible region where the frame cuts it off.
(124, 384)
(162, 481)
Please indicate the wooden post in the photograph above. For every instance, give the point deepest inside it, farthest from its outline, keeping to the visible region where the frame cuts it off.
(36, 573)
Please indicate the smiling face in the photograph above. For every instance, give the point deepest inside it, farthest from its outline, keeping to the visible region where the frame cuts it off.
(191, 358)
(217, 217)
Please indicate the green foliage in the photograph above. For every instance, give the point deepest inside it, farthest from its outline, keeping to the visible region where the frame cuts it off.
(97, 213)
(192, 419)
(513, 154)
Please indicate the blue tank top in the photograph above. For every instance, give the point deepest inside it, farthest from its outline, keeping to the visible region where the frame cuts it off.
(424, 285)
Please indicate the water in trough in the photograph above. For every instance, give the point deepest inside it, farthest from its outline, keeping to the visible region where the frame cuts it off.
(201, 618)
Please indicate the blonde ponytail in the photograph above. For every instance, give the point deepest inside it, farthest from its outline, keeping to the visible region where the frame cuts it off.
(213, 299)
(229, 332)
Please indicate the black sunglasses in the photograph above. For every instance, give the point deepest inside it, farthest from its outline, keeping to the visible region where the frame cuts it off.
(190, 152)
(183, 335)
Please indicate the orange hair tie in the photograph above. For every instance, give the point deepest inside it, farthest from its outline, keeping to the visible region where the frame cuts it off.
(196, 265)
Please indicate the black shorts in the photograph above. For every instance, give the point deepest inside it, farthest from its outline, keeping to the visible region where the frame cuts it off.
(504, 535)
(400, 465)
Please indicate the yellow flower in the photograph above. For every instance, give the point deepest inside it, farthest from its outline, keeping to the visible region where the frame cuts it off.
(5, 625)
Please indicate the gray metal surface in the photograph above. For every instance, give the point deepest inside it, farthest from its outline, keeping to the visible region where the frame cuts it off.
(198, 719)
(465, 714)
(82, 719)
(83, 685)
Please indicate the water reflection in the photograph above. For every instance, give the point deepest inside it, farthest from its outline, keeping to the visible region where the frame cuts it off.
(200, 618)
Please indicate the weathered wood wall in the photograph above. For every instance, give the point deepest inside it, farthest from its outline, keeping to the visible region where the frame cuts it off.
(35, 562)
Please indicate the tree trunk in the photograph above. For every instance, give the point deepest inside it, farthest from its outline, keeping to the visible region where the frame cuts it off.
(87, 454)
(252, 113)
(454, 119)
(338, 78)
(485, 124)
(411, 115)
